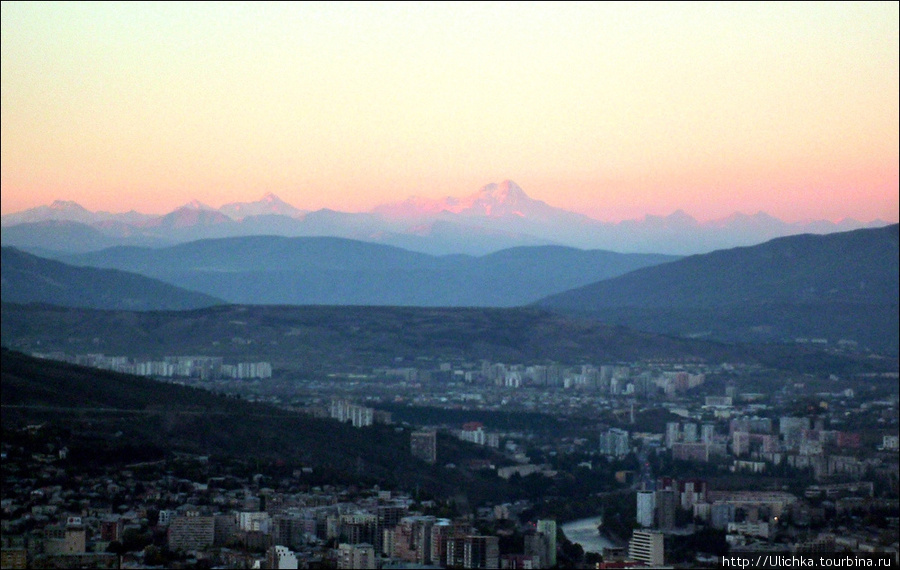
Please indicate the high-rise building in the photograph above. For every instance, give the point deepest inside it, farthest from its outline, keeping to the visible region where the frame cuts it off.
(740, 443)
(473, 432)
(358, 416)
(708, 433)
(442, 533)
(666, 503)
(412, 539)
(280, 557)
(423, 445)
(791, 430)
(720, 514)
(689, 432)
(647, 547)
(673, 434)
(692, 491)
(191, 533)
(481, 552)
(388, 517)
(356, 556)
(547, 527)
(536, 548)
(646, 508)
(614, 443)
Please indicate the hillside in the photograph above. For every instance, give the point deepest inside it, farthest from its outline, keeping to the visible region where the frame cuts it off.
(63, 235)
(316, 339)
(127, 412)
(30, 279)
(337, 271)
(842, 285)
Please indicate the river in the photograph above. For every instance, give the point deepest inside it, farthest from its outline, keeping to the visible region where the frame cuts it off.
(584, 532)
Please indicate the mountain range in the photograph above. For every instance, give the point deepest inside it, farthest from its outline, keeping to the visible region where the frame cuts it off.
(337, 271)
(498, 216)
(31, 279)
(838, 286)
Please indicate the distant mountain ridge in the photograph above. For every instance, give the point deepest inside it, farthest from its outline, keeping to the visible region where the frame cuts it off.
(498, 216)
(840, 285)
(339, 271)
(30, 279)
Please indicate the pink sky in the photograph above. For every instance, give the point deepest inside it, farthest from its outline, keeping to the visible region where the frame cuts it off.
(613, 110)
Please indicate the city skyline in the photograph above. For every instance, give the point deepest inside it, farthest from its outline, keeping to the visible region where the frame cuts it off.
(614, 111)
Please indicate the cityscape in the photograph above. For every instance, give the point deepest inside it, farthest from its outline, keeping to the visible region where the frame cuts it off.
(672, 451)
(463, 285)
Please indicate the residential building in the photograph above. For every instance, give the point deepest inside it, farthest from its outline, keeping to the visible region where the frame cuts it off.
(646, 508)
(356, 556)
(647, 547)
(614, 443)
(547, 528)
(191, 533)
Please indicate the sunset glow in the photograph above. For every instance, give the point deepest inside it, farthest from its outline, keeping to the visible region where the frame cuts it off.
(614, 110)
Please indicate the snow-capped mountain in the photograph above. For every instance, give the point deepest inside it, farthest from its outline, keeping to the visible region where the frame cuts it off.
(69, 211)
(268, 205)
(497, 216)
(503, 200)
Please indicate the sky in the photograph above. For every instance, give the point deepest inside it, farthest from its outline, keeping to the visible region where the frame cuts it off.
(614, 110)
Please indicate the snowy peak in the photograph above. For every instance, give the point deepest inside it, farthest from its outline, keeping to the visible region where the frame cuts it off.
(195, 204)
(501, 192)
(188, 216)
(268, 205)
(67, 206)
(503, 200)
(59, 210)
(505, 192)
(500, 200)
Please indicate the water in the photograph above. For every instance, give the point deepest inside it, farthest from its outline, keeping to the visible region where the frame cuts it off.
(584, 532)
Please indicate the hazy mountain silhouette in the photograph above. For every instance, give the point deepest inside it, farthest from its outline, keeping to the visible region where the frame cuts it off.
(268, 205)
(503, 200)
(31, 279)
(842, 285)
(278, 270)
(67, 210)
(52, 236)
(496, 217)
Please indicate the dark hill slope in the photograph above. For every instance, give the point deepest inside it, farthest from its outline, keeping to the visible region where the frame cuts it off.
(850, 267)
(30, 279)
(842, 285)
(121, 411)
(314, 338)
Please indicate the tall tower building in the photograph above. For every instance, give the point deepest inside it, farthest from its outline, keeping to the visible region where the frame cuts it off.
(547, 527)
(646, 508)
(673, 434)
(666, 503)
